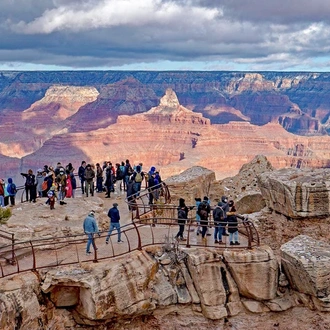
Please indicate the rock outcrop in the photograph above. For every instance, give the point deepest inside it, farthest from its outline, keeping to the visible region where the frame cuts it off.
(297, 193)
(305, 262)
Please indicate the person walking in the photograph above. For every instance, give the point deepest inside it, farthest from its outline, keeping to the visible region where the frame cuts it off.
(90, 228)
(182, 218)
(114, 216)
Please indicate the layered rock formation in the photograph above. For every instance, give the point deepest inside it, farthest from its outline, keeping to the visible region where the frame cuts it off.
(305, 261)
(259, 97)
(297, 193)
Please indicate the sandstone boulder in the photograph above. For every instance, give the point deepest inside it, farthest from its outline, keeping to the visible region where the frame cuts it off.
(254, 271)
(306, 263)
(19, 305)
(297, 193)
(243, 187)
(213, 283)
(194, 182)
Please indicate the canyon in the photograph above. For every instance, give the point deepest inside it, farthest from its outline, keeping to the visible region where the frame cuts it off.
(127, 119)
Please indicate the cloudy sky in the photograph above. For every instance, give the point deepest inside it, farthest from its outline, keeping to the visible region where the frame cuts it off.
(282, 35)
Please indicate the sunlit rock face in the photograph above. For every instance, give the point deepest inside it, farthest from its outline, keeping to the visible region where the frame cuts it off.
(71, 124)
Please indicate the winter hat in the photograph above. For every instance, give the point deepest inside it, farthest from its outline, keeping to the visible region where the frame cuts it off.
(224, 199)
(152, 169)
(138, 168)
(10, 180)
(39, 170)
(91, 213)
(114, 204)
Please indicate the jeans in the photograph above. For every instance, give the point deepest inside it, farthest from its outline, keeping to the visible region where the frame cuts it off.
(181, 231)
(218, 232)
(114, 225)
(2, 201)
(233, 237)
(137, 188)
(90, 241)
(99, 184)
(82, 183)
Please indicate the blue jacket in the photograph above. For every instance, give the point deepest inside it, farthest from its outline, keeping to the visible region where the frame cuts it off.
(113, 214)
(90, 225)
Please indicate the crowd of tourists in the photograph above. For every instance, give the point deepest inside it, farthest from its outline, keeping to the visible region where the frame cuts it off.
(59, 183)
(224, 217)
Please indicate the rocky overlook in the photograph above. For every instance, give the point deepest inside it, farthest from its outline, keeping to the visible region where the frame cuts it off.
(281, 287)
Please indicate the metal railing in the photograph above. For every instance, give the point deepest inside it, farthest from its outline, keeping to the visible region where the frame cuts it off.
(152, 224)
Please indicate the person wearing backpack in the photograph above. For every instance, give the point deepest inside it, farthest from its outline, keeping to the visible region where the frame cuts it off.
(30, 186)
(218, 218)
(11, 189)
(138, 177)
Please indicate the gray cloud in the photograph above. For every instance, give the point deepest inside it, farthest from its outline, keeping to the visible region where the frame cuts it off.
(105, 33)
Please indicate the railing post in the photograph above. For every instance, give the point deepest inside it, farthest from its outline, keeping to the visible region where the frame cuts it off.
(95, 248)
(34, 257)
(138, 235)
(12, 249)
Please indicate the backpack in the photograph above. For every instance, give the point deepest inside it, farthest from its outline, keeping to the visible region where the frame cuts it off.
(119, 174)
(218, 214)
(44, 186)
(138, 177)
(11, 189)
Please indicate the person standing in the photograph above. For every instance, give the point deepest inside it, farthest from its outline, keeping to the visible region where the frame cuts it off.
(114, 216)
(81, 174)
(90, 228)
(11, 189)
(89, 177)
(99, 178)
(138, 177)
(218, 218)
(30, 186)
(119, 179)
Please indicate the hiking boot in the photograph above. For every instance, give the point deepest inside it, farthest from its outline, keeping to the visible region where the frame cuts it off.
(106, 242)
(216, 241)
(220, 242)
(232, 243)
(88, 253)
(237, 243)
(119, 242)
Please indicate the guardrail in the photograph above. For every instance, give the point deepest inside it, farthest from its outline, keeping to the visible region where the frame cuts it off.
(152, 224)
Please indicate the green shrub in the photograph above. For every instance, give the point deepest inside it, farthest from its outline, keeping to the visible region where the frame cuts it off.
(5, 214)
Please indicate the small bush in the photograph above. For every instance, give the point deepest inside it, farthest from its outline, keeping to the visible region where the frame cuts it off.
(5, 214)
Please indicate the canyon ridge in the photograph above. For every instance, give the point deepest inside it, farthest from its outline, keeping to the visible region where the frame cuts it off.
(171, 120)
